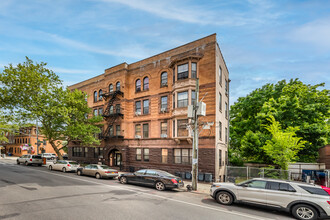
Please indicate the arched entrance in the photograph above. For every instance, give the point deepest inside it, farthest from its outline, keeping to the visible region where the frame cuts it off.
(115, 158)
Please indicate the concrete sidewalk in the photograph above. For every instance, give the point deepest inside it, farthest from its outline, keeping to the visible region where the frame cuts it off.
(202, 188)
(9, 158)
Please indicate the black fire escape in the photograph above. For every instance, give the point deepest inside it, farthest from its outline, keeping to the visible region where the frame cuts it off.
(111, 114)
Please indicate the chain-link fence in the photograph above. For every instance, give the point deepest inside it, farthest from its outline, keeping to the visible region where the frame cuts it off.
(239, 174)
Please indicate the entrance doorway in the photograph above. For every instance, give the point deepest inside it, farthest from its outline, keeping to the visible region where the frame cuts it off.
(115, 158)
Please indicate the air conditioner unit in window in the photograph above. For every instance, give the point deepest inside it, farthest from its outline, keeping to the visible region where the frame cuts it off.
(137, 113)
(137, 136)
(164, 84)
(163, 109)
(163, 135)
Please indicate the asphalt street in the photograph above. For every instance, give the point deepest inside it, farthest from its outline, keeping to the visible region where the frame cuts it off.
(36, 193)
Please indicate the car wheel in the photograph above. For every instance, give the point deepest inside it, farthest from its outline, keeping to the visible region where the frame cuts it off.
(304, 212)
(50, 168)
(123, 180)
(224, 198)
(97, 176)
(160, 186)
(79, 173)
(63, 170)
(18, 162)
(26, 163)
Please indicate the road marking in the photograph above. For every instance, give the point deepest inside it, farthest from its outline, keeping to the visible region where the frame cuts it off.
(162, 197)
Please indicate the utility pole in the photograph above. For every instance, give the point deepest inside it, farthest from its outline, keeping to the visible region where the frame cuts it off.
(195, 140)
(37, 131)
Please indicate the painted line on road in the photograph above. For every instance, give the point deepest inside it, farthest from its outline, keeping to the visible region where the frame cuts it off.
(163, 197)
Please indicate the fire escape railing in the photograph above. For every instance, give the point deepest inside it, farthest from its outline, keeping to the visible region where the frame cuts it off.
(111, 114)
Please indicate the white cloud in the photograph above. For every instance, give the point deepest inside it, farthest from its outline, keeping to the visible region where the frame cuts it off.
(71, 71)
(316, 33)
(201, 14)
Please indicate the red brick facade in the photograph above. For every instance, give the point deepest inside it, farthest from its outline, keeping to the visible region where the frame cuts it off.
(140, 127)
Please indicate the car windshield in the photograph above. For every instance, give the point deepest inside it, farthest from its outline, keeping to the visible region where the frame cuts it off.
(73, 163)
(105, 167)
(242, 183)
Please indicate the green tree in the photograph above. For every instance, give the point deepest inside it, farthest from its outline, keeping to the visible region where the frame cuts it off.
(6, 127)
(283, 146)
(292, 104)
(31, 91)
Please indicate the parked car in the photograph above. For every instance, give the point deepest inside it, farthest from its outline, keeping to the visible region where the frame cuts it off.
(304, 201)
(159, 179)
(49, 156)
(64, 166)
(30, 159)
(99, 171)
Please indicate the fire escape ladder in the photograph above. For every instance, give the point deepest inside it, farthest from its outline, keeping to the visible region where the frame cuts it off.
(111, 117)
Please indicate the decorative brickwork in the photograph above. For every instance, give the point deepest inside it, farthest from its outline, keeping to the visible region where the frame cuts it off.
(143, 142)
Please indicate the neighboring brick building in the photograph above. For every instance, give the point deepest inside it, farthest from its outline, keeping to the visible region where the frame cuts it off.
(24, 142)
(145, 109)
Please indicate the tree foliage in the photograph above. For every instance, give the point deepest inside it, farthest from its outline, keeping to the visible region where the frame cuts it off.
(6, 127)
(31, 91)
(292, 104)
(283, 146)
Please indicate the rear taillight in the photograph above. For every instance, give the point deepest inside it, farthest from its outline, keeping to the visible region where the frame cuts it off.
(174, 181)
(69, 165)
(107, 171)
(115, 172)
(30, 159)
(328, 202)
(326, 189)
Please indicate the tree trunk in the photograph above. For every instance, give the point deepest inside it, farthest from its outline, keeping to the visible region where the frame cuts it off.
(60, 157)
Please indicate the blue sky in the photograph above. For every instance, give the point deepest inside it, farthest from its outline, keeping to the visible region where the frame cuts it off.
(262, 41)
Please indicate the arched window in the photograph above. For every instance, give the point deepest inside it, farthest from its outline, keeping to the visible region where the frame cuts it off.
(146, 83)
(100, 94)
(118, 86)
(138, 85)
(163, 79)
(110, 88)
(95, 96)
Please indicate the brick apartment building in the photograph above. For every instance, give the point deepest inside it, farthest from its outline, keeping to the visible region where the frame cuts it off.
(144, 105)
(24, 142)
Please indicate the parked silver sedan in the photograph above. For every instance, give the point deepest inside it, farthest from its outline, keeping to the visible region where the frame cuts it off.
(64, 166)
(99, 171)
